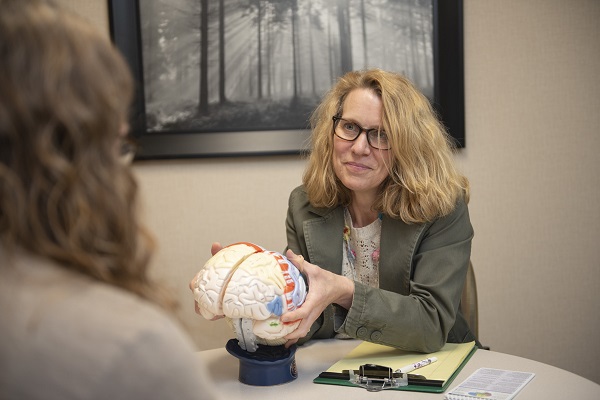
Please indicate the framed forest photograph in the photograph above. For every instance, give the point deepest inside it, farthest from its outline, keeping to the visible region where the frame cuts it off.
(242, 77)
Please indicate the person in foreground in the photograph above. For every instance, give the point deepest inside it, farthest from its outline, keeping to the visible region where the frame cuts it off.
(80, 317)
(380, 226)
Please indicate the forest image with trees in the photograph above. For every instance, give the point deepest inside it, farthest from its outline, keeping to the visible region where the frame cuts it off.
(247, 65)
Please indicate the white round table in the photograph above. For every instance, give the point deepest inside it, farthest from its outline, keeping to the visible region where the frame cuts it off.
(318, 355)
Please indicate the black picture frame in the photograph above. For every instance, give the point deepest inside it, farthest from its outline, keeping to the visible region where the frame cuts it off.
(448, 69)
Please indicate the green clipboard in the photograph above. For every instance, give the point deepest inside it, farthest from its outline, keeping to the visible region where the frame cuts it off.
(433, 378)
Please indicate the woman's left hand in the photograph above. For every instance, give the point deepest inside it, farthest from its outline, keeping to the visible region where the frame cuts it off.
(325, 288)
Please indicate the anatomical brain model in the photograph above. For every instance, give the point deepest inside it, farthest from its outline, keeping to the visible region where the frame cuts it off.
(251, 287)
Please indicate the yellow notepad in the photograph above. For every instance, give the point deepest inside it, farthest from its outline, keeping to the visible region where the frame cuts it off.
(450, 360)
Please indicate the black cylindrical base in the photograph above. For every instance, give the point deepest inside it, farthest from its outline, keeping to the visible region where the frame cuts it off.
(268, 366)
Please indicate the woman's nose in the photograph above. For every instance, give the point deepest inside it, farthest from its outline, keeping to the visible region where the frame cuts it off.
(361, 144)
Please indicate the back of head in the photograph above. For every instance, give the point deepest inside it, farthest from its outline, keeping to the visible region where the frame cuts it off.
(64, 192)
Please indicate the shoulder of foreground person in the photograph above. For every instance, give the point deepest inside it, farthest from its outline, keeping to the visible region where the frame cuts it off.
(157, 357)
(75, 338)
(158, 361)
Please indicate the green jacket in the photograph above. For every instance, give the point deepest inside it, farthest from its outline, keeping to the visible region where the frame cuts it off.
(422, 269)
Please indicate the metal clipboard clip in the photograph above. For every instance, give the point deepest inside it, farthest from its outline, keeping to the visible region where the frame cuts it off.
(375, 378)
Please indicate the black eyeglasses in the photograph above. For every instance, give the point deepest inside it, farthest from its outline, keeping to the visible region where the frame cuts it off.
(127, 150)
(350, 131)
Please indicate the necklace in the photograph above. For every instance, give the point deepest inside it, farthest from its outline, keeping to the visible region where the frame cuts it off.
(361, 251)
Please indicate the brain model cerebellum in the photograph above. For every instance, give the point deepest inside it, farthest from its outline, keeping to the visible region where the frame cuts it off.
(251, 287)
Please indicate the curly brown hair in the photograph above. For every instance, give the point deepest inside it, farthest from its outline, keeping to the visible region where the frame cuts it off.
(423, 182)
(64, 193)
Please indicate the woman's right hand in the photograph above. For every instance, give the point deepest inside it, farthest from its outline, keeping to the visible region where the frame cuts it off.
(214, 249)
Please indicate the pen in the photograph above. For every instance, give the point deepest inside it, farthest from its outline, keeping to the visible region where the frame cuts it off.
(416, 365)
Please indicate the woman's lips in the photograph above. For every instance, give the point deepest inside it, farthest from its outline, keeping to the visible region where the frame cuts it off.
(357, 166)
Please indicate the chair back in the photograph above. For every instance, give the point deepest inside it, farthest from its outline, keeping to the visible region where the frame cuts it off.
(468, 301)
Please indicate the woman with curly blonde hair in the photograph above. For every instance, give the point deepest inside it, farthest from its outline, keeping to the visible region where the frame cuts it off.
(80, 316)
(380, 226)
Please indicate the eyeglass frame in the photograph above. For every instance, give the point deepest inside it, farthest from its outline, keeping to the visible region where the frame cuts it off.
(336, 119)
(127, 150)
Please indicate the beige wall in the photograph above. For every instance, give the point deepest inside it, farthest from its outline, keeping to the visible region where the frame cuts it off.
(532, 109)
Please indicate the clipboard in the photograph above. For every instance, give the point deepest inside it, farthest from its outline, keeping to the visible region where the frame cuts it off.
(433, 378)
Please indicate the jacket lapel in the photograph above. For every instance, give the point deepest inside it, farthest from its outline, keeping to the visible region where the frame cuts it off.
(324, 237)
(395, 262)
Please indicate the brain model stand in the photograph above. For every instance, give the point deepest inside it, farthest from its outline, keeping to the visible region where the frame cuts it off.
(252, 288)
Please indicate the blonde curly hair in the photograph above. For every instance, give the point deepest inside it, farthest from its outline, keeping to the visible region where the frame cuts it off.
(423, 182)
